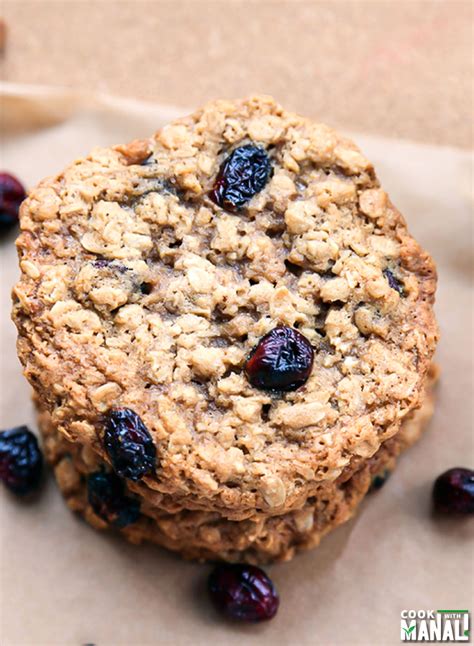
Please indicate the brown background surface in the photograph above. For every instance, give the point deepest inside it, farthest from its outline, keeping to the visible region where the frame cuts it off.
(398, 68)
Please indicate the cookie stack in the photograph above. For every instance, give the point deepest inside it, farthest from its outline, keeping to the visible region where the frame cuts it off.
(228, 330)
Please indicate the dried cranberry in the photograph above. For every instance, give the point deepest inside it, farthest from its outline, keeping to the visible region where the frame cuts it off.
(453, 491)
(129, 444)
(243, 592)
(379, 479)
(21, 462)
(12, 194)
(242, 175)
(104, 263)
(282, 360)
(105, 492)
(393, 282)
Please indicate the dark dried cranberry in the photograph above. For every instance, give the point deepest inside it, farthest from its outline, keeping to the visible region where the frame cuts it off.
(379, 480)
(129, 444)
(105, 492)
(243, 592)
(242, 175)
(12, 194)
(104, 263)
(21, 462)
(282, 360)
(453, 491)
(393, 282)
(101, 263)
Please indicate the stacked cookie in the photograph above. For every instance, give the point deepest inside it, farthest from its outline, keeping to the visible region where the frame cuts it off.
(228, 329)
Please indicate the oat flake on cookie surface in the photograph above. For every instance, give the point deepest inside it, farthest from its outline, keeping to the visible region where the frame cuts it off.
(151, 271)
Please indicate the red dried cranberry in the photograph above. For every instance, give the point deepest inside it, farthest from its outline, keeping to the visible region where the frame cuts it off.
(242, 175)
(453, 491)
(105, 492)
(282, 360)
(21, 462)
(129, 444)
(243, 592)
(12, 194)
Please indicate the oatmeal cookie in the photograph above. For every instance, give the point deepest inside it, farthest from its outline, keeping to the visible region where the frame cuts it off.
(206, 535)
(231, 314)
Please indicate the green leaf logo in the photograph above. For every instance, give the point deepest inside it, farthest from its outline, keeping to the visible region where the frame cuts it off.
(409, 630)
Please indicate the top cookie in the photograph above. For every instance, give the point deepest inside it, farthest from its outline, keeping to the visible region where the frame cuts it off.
(152, 271)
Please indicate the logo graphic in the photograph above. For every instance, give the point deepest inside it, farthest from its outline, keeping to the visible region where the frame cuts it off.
(434, 625)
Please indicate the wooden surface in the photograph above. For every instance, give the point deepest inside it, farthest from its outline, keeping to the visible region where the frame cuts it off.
(401, 68)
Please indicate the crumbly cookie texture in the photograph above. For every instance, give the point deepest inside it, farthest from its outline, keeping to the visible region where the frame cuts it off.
(206, 535)
(137, 290)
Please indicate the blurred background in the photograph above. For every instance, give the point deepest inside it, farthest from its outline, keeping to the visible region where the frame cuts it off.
(397, 68)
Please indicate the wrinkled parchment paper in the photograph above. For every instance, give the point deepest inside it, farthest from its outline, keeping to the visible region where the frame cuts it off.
(64, 583)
